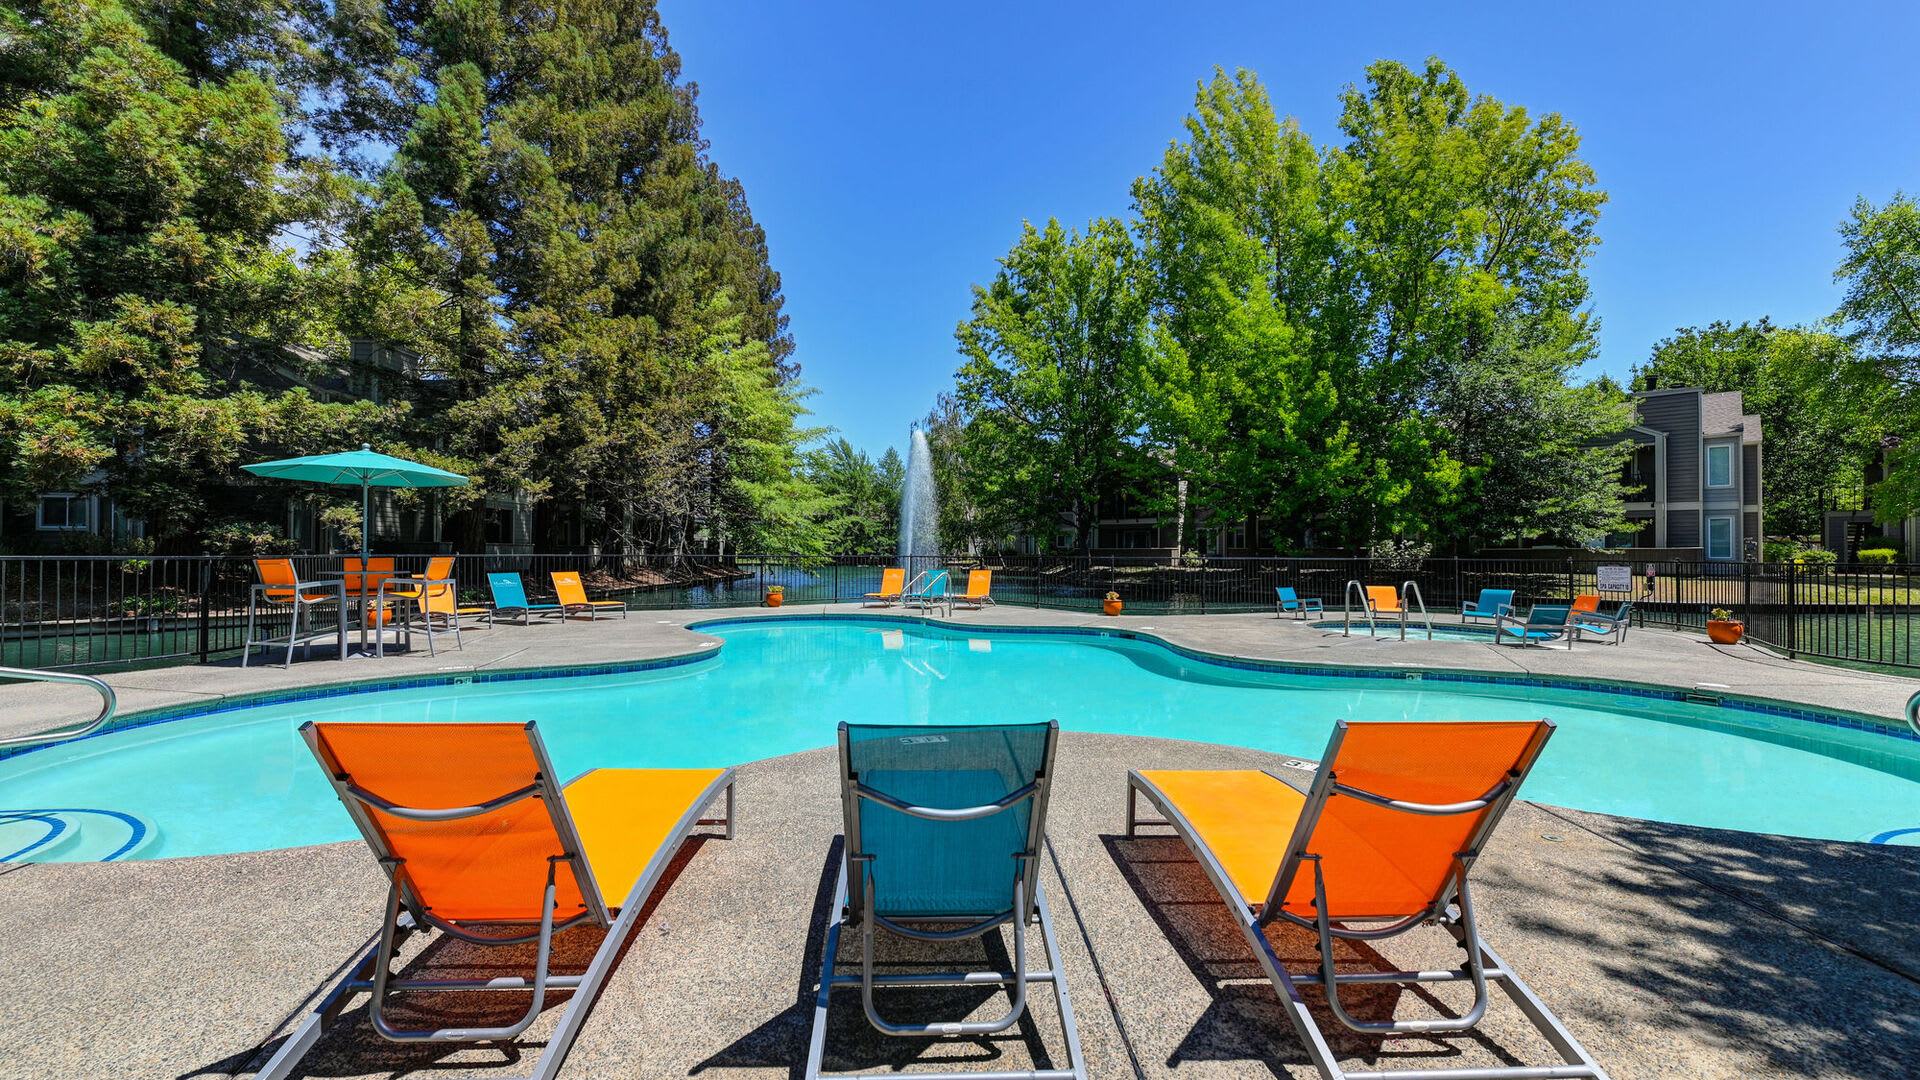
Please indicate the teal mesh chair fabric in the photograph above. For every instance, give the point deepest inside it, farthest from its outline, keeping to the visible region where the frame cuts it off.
(1490, 602)
(938, 869)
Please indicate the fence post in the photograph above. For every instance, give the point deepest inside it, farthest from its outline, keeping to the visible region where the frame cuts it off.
(206, 610)
(1459, 587)
(1793, 609)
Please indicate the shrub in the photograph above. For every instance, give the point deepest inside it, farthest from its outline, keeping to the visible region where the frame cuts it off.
(1878, 556)
(1816, 556)
(1778, 551)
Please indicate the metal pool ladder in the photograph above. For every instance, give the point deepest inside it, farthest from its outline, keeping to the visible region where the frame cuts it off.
(1354, 588)
(1412, 588)
(72, 731)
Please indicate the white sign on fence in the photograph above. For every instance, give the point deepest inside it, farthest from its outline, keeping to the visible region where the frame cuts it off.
(1614, 578)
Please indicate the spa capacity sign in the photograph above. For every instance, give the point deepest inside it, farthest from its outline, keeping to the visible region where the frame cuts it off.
(1614, 578)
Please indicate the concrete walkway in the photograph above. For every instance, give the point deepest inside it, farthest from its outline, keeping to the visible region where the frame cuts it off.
(1670, 951)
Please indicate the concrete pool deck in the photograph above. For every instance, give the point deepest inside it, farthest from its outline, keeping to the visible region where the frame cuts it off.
(1670, 951)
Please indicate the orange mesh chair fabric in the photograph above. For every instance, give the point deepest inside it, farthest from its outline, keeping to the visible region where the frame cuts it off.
(892, 584)
(439, 568)
(1586, 602)
(979, 584)
(364, 578)
(1384, 599)
(280, 572)
(1377, 863)
(566, 585)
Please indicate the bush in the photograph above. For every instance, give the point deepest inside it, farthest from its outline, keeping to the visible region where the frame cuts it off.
(1778, 551)
(1878, 556)
(1816, 556)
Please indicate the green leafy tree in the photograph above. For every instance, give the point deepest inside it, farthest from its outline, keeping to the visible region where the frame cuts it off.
(144, 282)
(1052, 355)
(864, 518)
(1815, 440)
(1880, 381)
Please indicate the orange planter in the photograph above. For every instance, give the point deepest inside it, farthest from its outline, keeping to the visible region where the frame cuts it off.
(774, 599)
(1112, 607)
(379, 616)
(1725, 633)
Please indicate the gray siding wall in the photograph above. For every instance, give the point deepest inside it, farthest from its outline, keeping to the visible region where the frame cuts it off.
(1683, 528)
(1722, 498)
(1750, 476)
(1749, 529)
(1679, 416)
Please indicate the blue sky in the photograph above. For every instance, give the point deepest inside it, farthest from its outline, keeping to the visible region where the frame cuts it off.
(892, 150)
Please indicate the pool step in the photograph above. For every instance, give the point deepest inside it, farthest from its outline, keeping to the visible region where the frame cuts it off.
(72, 835)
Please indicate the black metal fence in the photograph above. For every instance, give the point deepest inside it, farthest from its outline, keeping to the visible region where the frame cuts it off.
(64, 611)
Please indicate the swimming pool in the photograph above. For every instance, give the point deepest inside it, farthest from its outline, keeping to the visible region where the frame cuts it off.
(242, 780)
(1390, 629)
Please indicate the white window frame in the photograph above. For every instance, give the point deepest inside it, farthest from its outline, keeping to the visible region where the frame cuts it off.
(40, 512)
(1728, 518)
(1728, 451)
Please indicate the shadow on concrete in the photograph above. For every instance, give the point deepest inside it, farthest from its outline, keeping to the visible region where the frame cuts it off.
(854, 1045)
(1801, 951)
(1245, 1020)
(351, 1047)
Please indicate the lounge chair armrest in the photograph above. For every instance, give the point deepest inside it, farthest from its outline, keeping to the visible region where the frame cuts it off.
(931, 813)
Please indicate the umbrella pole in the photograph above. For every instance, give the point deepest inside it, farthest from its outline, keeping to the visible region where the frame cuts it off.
(366, 566)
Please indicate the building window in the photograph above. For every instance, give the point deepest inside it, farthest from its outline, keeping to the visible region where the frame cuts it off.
(499, 525)
(1236, 536)
(62, 511)
(1719, 466)
(1719, 538)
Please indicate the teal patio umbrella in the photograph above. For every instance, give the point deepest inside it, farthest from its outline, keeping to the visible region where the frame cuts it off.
(362, 467)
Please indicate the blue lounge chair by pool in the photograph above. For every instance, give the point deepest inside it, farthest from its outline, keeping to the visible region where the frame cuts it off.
(510, 599)
(1492, 604)
(1546, 622)
(927, 591)
(944, 830)
(1286, 600)
(1593, 623)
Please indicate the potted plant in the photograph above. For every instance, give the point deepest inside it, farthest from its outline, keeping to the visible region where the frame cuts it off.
(1112, 604)
(776, 595)
(1723, 628)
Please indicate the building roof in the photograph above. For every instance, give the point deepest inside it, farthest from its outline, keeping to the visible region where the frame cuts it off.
(1724, 414)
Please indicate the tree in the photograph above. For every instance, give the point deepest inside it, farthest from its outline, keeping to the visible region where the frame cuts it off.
(1333, 314)
(1880, 380)
(864, 518)
(144, 283)
(1052, 351)
(1815, 440)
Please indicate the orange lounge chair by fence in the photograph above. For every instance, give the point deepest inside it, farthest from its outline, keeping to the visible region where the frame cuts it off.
(573, 597)
(477, 836)
(892, 584)
(1383, 600)
(979, 589)
(1380, 844)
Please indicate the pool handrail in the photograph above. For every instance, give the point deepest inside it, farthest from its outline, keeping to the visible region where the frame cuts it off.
(1913, 712)
(108, 704)
(1412, 588)
(1353, 589)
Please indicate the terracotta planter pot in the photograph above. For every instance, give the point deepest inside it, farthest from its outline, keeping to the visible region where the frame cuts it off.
(379, 616)
(775, 599)
(1111, 607)
(1725, 633)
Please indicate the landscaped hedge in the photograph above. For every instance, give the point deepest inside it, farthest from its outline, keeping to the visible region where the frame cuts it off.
(1878, 556)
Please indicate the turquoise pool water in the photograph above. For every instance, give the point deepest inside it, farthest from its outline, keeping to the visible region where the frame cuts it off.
(243, 780)
(1415, 631)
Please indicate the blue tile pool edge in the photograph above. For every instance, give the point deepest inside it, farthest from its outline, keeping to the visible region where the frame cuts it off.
(1836, 718)
(165, 714)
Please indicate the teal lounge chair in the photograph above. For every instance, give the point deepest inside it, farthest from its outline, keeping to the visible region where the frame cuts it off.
(510, 598)
(1286, 600)
(1546, 622)
(944, 830)
(1593, 623)
(1492, 604)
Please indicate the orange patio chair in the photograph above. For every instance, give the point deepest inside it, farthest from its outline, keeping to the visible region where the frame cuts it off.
(280, 587)
(434, 596)
(893, 583)
(1586, 602)
(979, 589)
(1381, 843)
(479, 841)
(573, 597)
(1383, 600)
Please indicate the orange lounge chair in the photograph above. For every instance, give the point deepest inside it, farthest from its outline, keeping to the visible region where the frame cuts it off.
(1383, 600)
(475, 835)
(1586, 602)
(280, 586)
(573, 597)
(1381, 843)
(979, 589)
(892, 584)
(434, 598)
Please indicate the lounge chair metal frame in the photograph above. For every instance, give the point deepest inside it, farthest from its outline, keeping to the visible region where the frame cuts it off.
(1301, 605)
(1593, 623)
(335, 593)
(1471, 609)
(586, 606)
(1452, 910)
(1526, 631)
(854, 901)
(405, 915)
(970, 599)
(883, 598)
